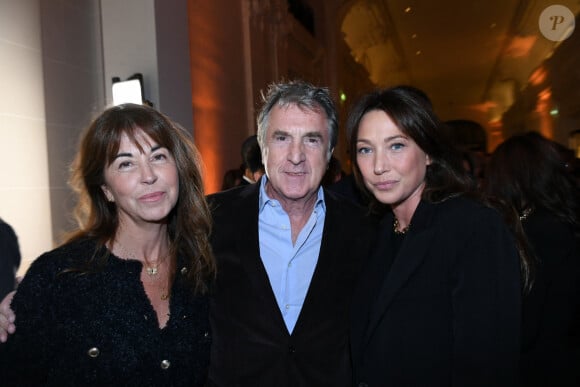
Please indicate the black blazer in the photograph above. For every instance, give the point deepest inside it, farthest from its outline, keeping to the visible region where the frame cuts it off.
(251, 345)
(551, 311)
(448, 311)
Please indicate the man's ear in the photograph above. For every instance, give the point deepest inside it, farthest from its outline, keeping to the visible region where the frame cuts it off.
(108, 193)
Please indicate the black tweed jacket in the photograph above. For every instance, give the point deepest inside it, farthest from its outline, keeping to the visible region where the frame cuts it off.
(100, 329)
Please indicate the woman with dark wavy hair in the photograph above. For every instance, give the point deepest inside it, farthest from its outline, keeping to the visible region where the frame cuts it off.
(527, 174)
(439, 301)
(124, 301)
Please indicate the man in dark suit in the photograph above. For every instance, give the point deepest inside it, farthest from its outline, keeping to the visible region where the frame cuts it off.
(9, 258)
(288, 255)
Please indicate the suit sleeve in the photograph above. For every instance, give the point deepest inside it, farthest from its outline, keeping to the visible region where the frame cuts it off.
(486, 306)
(9, 258)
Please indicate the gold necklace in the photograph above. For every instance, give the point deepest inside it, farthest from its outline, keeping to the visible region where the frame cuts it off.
(396, 227)
(151, 270)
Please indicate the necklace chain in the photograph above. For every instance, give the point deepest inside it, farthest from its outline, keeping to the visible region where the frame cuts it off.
(396, 227)
(151, 269)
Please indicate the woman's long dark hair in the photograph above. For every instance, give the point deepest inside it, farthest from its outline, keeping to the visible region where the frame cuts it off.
(410, 109)
(528, 172)
(189, 223)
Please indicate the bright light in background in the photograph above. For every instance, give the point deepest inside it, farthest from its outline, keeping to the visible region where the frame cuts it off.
(342, 97)
(554, 112)
(127, 92)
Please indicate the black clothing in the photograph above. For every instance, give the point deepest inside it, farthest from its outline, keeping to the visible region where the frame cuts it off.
(100, 328)
(447, 312)
(251, 344)
(551, 311)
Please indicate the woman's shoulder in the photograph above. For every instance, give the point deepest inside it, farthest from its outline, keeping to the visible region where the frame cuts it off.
(465, 207)
(64, 256)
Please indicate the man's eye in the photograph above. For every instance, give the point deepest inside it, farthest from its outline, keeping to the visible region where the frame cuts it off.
(313, 140)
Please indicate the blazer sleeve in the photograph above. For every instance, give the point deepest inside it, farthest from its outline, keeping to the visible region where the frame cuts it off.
(486, 306)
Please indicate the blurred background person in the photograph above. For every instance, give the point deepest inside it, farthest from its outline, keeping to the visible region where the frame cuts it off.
(124, 300)
(333, 174)
(232, 178)
(528, 175)
(253, 168)
(431, 308)
(9, 258)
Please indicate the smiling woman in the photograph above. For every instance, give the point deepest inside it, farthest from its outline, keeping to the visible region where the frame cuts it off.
(133, 277)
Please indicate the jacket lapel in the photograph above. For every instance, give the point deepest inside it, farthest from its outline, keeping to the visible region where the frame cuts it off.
(410, 256)
(333, 238)
(248, 247)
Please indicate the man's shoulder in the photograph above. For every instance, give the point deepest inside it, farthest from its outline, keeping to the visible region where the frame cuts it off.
(340, 205)
(233, 194)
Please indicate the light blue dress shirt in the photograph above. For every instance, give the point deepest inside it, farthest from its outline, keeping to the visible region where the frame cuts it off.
(289, 266)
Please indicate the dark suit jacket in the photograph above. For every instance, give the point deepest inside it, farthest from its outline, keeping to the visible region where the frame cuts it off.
(251, 345)
(551, 311)
(448, 311)
(9, 258)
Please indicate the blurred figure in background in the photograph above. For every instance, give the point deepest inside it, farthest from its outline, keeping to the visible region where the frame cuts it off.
(253, 168)
(528, 174)
(9, 258)
(232, 178)
(333, 174)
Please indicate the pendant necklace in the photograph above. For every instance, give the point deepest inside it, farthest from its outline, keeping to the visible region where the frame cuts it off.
(151, 270)
(396, 227)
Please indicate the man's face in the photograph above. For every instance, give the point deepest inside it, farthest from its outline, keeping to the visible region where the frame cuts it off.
(296, 153)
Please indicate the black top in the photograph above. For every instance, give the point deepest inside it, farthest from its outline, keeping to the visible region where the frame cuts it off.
(100, 328)
(551, 312)
(447, 312)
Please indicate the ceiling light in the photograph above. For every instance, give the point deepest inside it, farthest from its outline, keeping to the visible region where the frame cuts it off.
(414, 36)
(408, 9)
(418, 52)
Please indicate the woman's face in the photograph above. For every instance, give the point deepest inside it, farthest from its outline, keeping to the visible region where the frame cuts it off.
(143, 184)
(392, 165)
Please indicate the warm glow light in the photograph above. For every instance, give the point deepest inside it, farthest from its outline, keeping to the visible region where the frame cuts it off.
(538, 76)
(408, 10)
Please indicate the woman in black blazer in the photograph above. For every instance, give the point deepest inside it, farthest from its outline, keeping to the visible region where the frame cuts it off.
(528, 174)
(439, 302)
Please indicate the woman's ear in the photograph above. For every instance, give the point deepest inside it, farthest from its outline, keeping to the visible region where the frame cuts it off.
(108, 193)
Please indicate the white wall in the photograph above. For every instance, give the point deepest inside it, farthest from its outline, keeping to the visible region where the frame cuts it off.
(24, 188)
